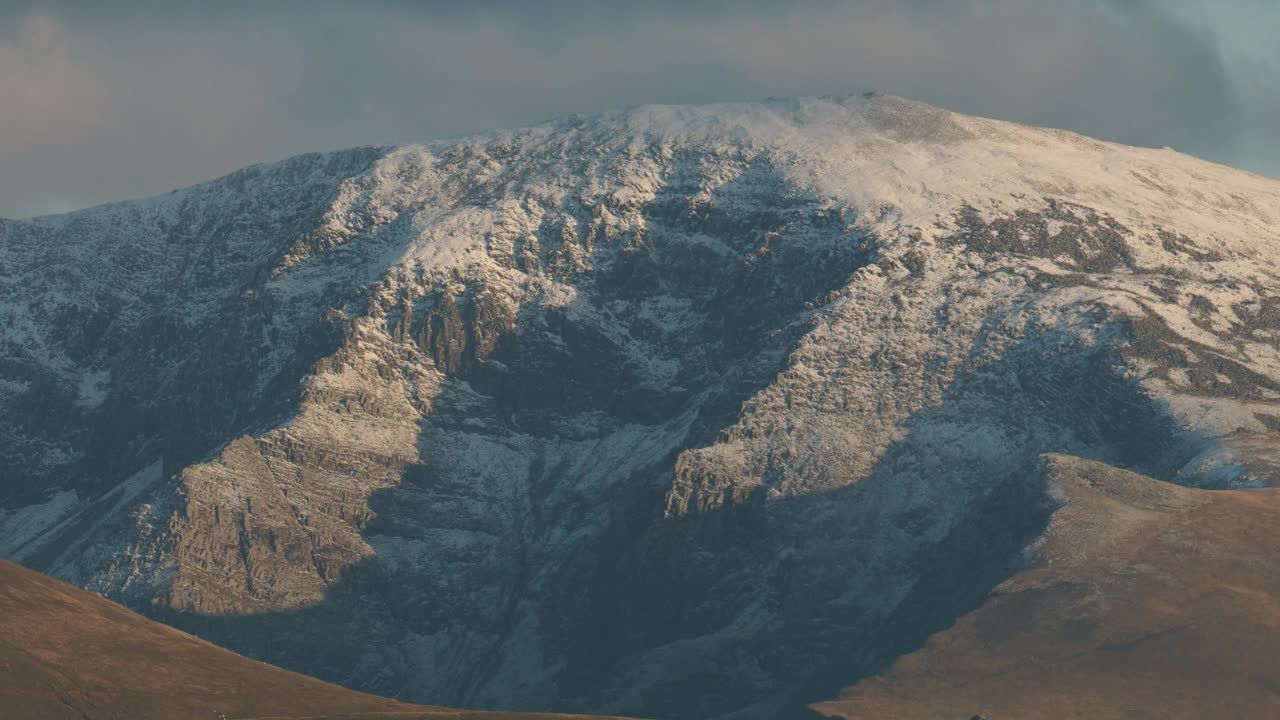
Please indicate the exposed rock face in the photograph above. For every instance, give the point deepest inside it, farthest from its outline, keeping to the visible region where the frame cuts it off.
(696, 412)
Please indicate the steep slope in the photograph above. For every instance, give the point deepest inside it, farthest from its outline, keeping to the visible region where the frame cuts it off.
(66, 653)
(1145, 600)
(682, 412)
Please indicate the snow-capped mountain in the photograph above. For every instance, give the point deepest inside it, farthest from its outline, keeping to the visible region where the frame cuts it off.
(675, 411)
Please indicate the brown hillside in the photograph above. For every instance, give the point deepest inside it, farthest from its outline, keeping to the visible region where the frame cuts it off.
(1146, 600)
(67, 653)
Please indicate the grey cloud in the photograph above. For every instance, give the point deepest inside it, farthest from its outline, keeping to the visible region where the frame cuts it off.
(138, 97)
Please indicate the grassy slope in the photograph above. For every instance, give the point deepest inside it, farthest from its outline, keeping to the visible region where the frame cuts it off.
(1146, 600)
(67, 653)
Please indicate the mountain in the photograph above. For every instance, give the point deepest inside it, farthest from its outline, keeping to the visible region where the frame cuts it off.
(67, 653)
(682, 412)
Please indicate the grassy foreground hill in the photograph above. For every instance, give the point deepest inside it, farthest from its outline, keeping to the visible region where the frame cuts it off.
(67, 653)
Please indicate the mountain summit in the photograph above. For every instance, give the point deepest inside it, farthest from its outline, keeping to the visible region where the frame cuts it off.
(687, 412)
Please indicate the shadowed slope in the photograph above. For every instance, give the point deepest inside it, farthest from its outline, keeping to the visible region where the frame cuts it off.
(66, 653)
(1145, 600)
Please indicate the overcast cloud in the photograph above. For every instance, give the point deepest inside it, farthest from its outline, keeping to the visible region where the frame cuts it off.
(136, 98)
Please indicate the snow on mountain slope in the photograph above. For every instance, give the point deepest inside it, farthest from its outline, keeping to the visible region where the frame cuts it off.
(688, 412)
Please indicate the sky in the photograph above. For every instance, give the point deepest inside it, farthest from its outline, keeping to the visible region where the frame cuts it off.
(114, 100)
